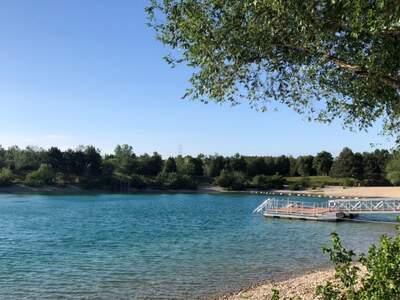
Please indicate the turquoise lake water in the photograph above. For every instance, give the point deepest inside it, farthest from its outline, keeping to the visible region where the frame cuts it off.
(154, 246)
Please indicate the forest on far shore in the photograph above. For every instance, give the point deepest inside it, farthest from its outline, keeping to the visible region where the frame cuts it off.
(124, 171)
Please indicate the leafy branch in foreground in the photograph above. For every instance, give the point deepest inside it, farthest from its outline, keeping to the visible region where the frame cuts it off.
(382, 277)
(376, 276)
(329, 59)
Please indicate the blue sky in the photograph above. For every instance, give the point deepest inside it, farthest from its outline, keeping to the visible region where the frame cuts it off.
(78, 72)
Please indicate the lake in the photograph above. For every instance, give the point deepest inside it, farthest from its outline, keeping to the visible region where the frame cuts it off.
(155, 246)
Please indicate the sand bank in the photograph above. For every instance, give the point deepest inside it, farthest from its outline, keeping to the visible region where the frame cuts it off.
(338, 191)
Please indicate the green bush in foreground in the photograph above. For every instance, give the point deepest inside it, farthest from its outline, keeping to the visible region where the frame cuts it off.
(380, 282)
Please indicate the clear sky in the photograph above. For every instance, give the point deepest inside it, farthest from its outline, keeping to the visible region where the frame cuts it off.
(78, 72)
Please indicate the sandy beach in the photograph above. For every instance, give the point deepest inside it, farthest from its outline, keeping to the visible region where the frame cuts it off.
(301, 287)
(339, 191)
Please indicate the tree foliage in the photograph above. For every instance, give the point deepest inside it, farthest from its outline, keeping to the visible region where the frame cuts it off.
(45, 175)
(322, 163)
(6, 177)
(393, 170)
(328, 59)
(123, 170)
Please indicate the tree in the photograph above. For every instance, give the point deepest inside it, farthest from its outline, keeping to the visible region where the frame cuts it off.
(150, 165)
(322, 163)
(329, 59)
(282, 165)
(175, 181)
(237, 163)
(124, 159)
(393, 170)
(270, 165)
(2, 157)
(293, 166)
(6, 177)
(170, 165)
(214, 165)
(75, 162)
(382, 157)
(256, 166)
(372, 172)
(231, 180)
(343, 164)
(23, 160)
(55, 158)
(305, 165)
(93, 162)
(190, 166)
(45, 175)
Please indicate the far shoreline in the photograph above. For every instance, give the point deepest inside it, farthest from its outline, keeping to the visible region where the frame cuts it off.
(325, 192)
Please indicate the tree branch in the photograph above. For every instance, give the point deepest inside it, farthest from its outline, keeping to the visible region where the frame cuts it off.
(359, 70)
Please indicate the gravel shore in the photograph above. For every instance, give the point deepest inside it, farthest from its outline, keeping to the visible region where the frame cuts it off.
(302, 286)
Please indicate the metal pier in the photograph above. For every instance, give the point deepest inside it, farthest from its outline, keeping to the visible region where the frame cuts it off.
(332, 210)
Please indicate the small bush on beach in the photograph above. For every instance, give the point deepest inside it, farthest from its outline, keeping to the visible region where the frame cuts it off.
(231, 180)
(6, 177)
(348, 182)
(294, 187)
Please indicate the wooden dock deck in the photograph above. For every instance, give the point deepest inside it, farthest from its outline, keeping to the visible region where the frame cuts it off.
(305, 213)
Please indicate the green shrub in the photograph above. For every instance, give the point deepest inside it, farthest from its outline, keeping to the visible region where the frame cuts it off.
(382, 280)
(348, 182)
(393, 170)
(231, 180)
(6, 177)
(137, 182)
(301, 184)
(264, 182)
(305, 182)
(294, 186)
(174, 181)
(45, 175)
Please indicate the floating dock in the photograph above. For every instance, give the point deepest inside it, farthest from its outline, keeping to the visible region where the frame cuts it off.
(332, 210)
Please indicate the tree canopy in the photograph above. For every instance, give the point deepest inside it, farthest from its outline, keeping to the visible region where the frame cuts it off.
(327, 59)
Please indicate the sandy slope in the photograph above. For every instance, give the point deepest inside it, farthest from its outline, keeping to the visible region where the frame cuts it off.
(338, 191)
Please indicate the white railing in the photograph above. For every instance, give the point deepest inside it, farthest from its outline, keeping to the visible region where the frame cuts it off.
(360, 206)
(278, 206)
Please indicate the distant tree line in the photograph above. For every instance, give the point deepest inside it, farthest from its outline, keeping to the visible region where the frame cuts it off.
(124, 170)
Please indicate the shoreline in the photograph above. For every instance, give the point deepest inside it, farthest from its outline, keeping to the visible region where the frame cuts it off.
(299, 286)
(292, 287)
(326, 192)
(303, 286)
(73, 189)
